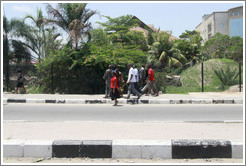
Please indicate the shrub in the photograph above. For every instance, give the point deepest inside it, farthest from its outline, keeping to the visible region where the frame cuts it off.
(227, 77)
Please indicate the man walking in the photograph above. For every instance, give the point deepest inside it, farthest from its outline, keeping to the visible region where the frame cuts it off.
(142, 74)
(131, 81)
(136, 75)
(107, 77)
(150, 82)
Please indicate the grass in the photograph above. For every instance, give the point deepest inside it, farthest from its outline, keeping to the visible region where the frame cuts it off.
(192, 81)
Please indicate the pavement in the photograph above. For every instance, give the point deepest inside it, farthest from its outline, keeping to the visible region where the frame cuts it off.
(191, 98)
(166, 140)
(145, 140)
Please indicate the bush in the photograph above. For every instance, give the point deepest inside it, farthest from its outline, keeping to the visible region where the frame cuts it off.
(161, 81)
(227, 77)
(81, 72)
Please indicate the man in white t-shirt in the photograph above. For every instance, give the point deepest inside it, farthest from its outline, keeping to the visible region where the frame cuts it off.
(136, 77)
(132, 79)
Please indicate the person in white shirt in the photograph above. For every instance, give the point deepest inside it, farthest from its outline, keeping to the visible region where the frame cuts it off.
(136, 77)
(132, 79)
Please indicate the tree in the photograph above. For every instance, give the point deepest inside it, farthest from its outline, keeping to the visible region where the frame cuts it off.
(119, 30)
(100, 37)
(235, 50)
(12, 47)
(216, 46)
(224, 46)
(51, 41)
(73, 18)
(190, 45)
(38, 38)
(120, 24)
(162, 52)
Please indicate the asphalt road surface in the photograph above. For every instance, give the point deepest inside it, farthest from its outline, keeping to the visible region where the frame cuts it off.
(123, 113)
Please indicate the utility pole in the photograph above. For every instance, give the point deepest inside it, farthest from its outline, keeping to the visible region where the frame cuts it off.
(202, 79)
(240, 77)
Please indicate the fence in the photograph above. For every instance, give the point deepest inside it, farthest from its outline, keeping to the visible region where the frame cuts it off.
(239, 75)
(89, 81)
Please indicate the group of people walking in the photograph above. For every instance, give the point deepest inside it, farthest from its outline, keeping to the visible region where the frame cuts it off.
(115, 82)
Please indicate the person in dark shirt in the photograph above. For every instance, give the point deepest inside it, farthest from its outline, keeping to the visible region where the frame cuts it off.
(20, 81)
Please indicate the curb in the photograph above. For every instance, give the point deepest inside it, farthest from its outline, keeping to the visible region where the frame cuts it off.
(126, 101)
(119, 149)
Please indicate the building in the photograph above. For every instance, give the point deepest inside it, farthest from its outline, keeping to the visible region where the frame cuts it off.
(145, 28)
(227, 22)
(235, 17)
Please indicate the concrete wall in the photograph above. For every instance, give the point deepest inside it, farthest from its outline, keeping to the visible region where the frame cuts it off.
(221, 23)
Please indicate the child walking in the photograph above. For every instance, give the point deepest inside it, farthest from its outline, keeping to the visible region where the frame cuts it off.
(114, 88)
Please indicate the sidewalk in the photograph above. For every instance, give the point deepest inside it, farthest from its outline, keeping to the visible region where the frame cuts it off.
(191, 98)
(123, 139)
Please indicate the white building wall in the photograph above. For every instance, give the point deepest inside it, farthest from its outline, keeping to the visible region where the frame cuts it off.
(207, 27)
(221, 23)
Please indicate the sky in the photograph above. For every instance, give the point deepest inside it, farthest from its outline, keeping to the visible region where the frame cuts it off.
(173, 16)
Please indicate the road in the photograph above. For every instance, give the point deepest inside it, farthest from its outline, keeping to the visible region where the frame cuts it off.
(123, 113)
(126, 122)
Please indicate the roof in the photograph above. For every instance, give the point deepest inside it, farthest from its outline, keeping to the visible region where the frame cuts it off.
(145, 28)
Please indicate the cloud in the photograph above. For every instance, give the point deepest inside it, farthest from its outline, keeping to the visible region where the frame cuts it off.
(22, 8)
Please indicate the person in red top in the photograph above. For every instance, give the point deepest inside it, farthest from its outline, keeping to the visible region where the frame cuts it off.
(114, 88)
(150, 82)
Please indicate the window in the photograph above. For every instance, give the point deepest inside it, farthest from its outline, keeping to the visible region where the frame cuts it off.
(209, 36)
(238, 13)
(233, 13)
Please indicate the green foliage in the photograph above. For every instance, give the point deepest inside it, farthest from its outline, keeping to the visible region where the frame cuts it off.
(227, 76)
(118, 55)
(70, 71)
(216, 46)
(189, 46)
(99, 37)
(177, 53)
(160, 51)
(191, 77)
(119, 31)
(161, 81)
(120, 24)
(73, 18)
(190, 35)
(223, 46)
(235, 50)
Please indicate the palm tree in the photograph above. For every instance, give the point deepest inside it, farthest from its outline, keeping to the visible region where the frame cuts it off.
(51, 40)
(36, 36)
(12, 46)
(73, 18)
(162, 52)
(38, 39)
